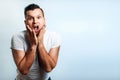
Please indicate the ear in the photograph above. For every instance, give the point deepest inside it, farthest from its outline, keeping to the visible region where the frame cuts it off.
(25, 22)
(44, 22)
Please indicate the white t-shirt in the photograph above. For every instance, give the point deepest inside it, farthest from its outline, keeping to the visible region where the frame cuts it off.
(19, 42)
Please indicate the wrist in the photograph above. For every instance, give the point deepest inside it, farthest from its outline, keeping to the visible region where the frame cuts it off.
(40, 44)
(33, 47)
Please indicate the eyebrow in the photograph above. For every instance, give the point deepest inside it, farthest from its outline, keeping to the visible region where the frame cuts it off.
(37, 15)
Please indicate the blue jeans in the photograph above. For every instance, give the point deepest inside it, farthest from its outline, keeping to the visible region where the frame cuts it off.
(48, 78)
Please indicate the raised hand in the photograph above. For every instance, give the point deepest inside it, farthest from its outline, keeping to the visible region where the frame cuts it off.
(40, 35)
(31, 36)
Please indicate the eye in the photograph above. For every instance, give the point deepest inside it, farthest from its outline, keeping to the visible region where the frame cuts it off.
(30, 18)
(39, 17)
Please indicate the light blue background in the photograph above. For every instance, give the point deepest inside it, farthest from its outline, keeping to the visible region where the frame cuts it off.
(90, 32)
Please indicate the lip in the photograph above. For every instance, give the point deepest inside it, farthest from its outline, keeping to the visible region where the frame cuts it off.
(36, 28)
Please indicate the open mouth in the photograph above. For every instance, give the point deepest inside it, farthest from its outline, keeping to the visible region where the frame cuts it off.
(36, 27)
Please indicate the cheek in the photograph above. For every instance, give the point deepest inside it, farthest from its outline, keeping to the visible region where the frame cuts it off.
(43, 22)
(29, 23)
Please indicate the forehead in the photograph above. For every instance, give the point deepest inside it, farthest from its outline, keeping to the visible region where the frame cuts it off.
(34, 12)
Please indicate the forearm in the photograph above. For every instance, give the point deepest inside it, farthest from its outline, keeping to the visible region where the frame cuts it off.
(45, 60)
(27, 60)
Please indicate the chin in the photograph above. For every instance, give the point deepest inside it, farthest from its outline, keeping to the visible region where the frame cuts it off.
(36, 34)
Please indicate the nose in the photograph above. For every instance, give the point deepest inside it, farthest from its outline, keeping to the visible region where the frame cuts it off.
(34, 20)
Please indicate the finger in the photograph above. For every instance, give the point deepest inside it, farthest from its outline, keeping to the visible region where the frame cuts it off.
(28, 28)
(35, 37)
(43, 28)
(34, 34)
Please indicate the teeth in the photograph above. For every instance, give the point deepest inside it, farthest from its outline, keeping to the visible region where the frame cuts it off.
(35, 27)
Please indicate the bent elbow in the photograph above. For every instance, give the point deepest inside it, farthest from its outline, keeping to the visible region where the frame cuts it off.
(49, 69)
(23, 72)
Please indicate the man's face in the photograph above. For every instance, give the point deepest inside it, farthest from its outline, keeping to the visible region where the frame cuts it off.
(35, 20)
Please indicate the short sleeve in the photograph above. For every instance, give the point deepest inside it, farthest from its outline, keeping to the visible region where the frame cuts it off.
(16, 42)
(56, 40)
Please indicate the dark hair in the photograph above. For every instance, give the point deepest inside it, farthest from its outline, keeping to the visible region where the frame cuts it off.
(32, 7)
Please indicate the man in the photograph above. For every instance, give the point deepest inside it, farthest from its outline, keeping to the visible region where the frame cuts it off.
(35, 50)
